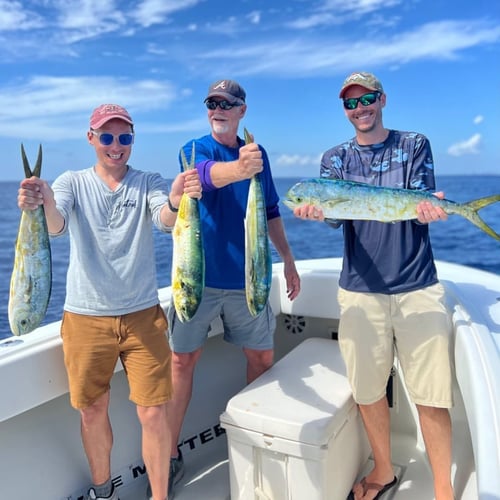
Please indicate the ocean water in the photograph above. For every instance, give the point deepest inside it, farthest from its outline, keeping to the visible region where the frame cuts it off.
(455, 240)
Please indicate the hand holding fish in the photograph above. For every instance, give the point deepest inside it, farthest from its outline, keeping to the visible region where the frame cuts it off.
(427, 212)
(33, 192)
(186, 182)
(250, 161)
(309, 212)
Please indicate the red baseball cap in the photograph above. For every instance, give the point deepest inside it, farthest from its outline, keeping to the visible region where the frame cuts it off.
(106, 112)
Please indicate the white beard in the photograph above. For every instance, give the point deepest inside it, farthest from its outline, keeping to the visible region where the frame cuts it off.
(220, 128)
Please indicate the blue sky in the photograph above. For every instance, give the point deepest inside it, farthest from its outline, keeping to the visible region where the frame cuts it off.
(439, 62)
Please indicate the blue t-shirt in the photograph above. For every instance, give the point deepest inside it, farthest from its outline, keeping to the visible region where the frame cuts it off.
(385, 257)
(222, 212)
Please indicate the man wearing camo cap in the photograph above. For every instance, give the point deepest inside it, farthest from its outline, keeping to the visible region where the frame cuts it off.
(389, 292)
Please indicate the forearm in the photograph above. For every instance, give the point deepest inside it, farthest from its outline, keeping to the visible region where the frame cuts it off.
(278, 237)
(224, 173)
(217, 174)
(55, 221)
(279, 240)
(167, 215)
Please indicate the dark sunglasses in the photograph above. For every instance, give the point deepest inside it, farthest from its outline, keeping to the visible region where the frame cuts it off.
(365, 100)
(225, 105)
(106, 139)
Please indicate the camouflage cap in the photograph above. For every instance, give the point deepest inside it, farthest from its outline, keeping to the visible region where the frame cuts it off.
(366, 80)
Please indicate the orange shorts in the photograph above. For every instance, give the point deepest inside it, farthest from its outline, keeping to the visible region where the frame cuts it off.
(93, 344)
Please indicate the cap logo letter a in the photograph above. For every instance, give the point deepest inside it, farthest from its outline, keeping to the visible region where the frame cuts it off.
(221, 85)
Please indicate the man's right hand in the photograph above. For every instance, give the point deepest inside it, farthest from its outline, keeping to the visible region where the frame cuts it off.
(250, 161)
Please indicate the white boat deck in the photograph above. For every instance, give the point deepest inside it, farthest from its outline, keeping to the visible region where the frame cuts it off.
(210, 480)
(202, 480)
(41, 454)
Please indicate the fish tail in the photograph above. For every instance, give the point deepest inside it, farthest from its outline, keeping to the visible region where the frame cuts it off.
(248, 137)
(38, 165)
(185, 164)
(471, 209)
(26, 164)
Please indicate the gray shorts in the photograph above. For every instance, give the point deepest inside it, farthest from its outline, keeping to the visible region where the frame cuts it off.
(240, 327)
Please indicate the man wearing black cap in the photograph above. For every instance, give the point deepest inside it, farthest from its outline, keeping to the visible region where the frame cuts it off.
(226, 164)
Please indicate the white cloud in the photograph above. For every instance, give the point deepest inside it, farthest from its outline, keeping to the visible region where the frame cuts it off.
(469, 146)
(51, 107)
(229, 27)
(314, 21)
(285, 160)
(150, 12)
(155, 49)
(334, 12)
(434, 41)
(358, 5)
(89, 14)
(254, 17)
(14, 17)
(478, 119)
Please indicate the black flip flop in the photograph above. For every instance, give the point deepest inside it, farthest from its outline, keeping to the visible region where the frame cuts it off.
(381, 488)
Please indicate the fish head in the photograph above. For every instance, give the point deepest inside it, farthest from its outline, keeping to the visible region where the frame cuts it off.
(23, 321)
(298, 195)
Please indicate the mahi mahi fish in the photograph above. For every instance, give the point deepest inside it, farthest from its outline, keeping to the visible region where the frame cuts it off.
(258, 261)
(340, 199)
(188, 260)
(31, 279)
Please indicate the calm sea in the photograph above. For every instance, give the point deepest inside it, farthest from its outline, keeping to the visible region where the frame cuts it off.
(455, 240)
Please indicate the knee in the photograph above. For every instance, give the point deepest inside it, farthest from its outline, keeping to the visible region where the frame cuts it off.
(95, 412)
(185, 361)
(152, 416)
(432, 412)
(262, 359)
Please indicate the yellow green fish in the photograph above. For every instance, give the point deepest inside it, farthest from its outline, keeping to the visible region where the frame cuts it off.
(31, 279)
(340, 199)
(188, 260)
(258, 261)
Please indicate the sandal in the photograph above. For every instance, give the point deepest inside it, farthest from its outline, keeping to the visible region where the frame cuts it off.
(380, 488)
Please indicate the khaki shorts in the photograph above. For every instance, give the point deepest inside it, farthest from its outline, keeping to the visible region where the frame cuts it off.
(415, 326)
(93, 344)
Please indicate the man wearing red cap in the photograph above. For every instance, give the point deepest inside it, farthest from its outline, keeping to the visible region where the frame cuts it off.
(389, 295)
(112, 308)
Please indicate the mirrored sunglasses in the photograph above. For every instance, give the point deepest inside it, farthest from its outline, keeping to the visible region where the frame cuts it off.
(225, 105)
(365, 100)
(106, 139)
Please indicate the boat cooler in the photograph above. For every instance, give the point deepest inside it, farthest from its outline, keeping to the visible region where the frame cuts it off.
(295, 433)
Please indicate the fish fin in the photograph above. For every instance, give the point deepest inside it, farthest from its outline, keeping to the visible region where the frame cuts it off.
(471, 209)
(333, 222)
(26, 164)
